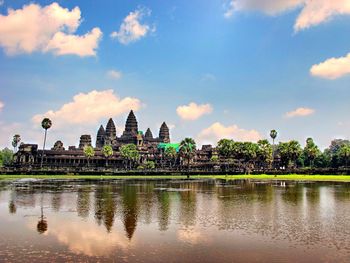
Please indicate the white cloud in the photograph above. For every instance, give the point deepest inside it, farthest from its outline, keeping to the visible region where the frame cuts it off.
(312, 12)
(332, 68)
(90, 108)
(300, 112)
(132, 29)
(193, 111)
(42, 29)
(65, 44)
(1, 105)
(2, 2)
(218, 131)
(114, 74)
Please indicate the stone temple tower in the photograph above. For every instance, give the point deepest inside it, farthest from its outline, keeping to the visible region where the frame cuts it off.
(164, 135)
(111, 132)
(148, 134)
(100, 138)
(131, 126)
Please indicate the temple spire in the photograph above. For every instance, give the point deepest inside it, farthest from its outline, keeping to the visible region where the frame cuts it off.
(100, 138)
(148, 134)
(131, 126)
(164, 134)
(111, 131)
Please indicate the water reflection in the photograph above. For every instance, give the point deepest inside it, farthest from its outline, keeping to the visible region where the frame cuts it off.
(117, 219)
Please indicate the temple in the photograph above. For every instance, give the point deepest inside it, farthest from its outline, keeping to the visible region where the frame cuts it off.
(150, 148)
(131, 134)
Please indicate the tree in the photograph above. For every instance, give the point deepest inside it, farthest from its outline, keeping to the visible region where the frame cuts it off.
(107, 151)
(265, 153)
(226, 149)
(6, 157)
(15, 141)
(289, 152)
(130, 153)
(89, 152)
(273, 135)
(187, 150)
(344, 153)
(249, 153)
(150, 165)
(170, 154)
(311, 151)
(45, 124)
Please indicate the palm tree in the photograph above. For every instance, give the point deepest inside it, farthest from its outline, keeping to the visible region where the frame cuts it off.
(46, 124)
(107, 151)
(89, 152)
(311, 151)
(344, 152)
(170, 154)
(187, 151)
(15, 141)
(265, 152)
(130, 153)
(273, 135)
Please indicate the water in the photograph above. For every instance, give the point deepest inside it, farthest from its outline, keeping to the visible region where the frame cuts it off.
(173, 221)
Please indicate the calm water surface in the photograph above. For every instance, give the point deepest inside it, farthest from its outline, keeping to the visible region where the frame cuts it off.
(173, 221)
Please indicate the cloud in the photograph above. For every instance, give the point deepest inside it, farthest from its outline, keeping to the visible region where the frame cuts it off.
(300, 112)
(312, 12)
(90, 108)
(131, 29)
(332, 68)
(114, 74)
(2, 2)
(1, 105)
(270, 7)
(46, 29)
(193, 111)
(218, 131)
(65, 44)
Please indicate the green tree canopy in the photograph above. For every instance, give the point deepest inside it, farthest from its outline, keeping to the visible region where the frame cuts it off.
(187, 150)
(310, 152)
(6, 157)
(130, 153)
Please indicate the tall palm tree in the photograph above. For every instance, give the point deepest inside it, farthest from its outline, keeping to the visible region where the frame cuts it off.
(188, 150)
(107, 151)
(89, 152)
(273, 135)
(46, 124)
(15, 141)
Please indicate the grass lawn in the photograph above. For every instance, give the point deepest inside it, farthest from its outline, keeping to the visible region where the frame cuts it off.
(295, 177)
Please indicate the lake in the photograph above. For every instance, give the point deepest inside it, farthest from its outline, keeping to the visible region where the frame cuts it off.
(174, 221)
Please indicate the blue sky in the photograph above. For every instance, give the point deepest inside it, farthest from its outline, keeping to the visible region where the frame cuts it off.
(207, 74)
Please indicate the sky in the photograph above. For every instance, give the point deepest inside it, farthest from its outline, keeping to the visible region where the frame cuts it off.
(210, 69)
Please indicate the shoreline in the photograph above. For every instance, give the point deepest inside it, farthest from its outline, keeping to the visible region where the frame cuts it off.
(261, 177)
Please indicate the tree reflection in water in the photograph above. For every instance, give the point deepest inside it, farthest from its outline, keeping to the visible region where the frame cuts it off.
(177, 216)
(42, 224)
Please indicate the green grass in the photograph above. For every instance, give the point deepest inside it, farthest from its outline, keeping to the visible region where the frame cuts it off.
(294, 177)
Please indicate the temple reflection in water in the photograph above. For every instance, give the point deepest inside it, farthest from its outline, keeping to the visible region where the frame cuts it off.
(96, 218)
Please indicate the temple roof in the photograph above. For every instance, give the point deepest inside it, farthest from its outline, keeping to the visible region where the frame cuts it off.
(164, 132)
(148, 134)
(111, 131)
(101, 131)
(131, 123)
